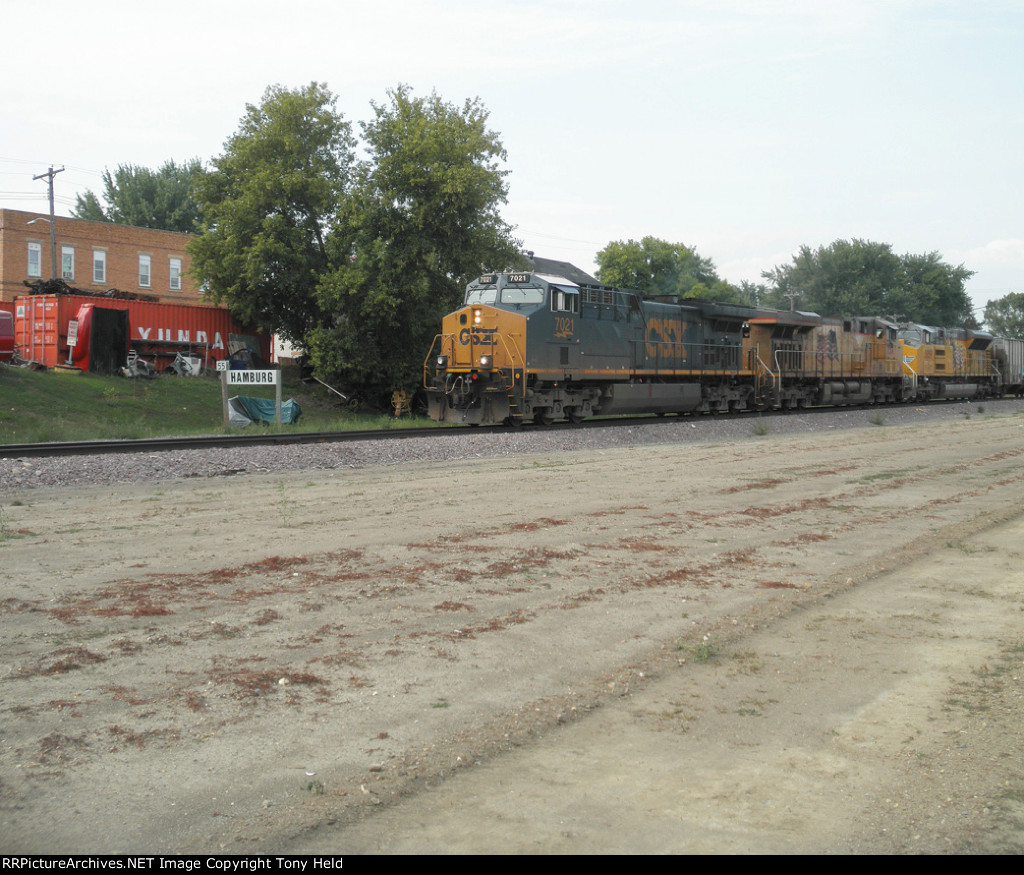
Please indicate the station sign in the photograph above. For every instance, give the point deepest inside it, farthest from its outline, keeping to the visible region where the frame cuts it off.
(253, 378)
(229, 377)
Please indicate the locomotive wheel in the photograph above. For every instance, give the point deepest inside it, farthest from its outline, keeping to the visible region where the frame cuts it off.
(573, 415)
(544, 419)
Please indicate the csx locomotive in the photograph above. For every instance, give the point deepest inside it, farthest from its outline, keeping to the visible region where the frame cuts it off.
(538, 347)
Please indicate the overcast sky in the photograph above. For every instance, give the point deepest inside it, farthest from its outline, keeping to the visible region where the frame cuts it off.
(743, 128)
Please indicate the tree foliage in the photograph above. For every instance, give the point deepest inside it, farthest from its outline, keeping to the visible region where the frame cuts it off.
(859, 277)
(267, 206)
(163, 199)
(654, 267)
(421, 220)
(1005, 316)
(657, 267)
(88, 207)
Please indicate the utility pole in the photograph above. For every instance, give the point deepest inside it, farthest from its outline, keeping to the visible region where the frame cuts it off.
(53, 231)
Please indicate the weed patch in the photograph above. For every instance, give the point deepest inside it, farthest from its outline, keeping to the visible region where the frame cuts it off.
(249, 683)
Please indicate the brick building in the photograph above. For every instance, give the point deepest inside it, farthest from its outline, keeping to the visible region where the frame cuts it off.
(94, 257)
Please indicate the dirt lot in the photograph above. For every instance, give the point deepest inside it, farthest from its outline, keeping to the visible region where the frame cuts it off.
(809, 643)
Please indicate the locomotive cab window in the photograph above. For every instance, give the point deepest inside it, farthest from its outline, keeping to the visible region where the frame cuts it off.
(564, 300)
(482, 296)
(519, 296)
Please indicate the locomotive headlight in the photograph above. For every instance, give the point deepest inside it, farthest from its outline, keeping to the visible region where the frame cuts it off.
(477, 318)
(442, 362)
(485, 361)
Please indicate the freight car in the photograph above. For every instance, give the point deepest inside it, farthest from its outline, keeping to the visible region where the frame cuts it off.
(538, 347)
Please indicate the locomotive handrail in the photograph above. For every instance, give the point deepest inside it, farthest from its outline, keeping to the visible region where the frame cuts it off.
(764, 367)
(430, 353)
(696, 358)
(429, 356)
(913, 377)
(978, 364)
(513, 357)
(828, 364)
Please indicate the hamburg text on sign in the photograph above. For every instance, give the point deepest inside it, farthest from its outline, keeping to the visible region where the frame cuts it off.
(252, 378)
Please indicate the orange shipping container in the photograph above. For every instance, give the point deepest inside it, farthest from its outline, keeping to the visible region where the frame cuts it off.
(156, 330)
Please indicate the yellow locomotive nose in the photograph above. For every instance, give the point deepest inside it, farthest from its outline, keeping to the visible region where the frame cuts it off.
(478, 367)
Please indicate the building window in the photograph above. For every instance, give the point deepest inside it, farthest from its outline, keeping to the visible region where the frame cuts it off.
(175, 274)
(99, 266)
(67, 262)
(144, 273)
(35, 259)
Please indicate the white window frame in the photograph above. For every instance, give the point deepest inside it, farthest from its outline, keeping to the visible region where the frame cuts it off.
(67, 262)
(99, 266)
(175, 278)
(35, 259)
(145, 272)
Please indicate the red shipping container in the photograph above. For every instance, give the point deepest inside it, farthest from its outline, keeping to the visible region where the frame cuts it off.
(157, 330)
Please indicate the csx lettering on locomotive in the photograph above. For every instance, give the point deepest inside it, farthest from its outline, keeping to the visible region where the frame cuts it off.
(479, 336)
(665, 331)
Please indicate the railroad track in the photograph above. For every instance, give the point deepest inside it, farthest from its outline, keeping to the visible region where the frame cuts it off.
(155, 445)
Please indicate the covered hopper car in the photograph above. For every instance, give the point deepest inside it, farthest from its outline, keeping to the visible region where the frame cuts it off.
(539, 347)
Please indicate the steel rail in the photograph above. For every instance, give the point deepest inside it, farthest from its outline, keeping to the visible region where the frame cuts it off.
(200, 442)
(231, 441)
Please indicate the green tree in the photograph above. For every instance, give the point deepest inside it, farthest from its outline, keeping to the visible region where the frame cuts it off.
(267, 206)
(846, 278)
(88, 207)
(860, 278)
(932, 292)
(654, 267)
(1005, 316)
(422, 219)
(753, 294)
(163, 199)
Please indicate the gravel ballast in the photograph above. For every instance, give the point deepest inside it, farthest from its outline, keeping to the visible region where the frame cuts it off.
(92, 470)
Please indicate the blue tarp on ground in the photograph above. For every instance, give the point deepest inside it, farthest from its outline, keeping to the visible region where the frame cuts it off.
(245, 410)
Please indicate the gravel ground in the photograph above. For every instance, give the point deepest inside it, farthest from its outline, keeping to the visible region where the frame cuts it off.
(742, 639)
(21, 474)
